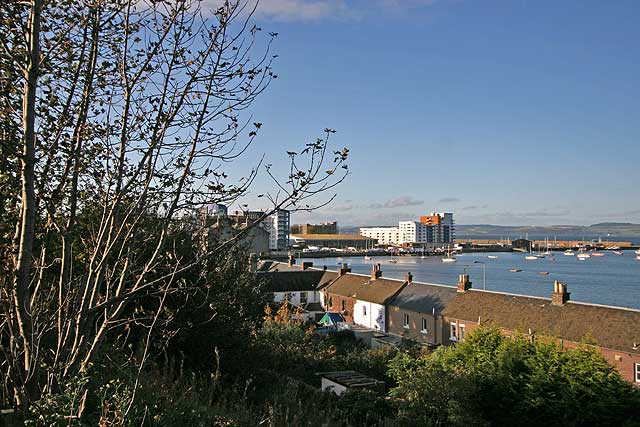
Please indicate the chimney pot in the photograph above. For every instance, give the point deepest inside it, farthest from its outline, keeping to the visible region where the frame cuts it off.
(464, 284)
(376, 272)
(560, 295)
(343, 270)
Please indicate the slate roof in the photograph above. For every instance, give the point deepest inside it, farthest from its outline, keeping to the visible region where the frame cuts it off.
(611, 327)
(268, 265)
(424, 298)
(300, 280)
(361, 287)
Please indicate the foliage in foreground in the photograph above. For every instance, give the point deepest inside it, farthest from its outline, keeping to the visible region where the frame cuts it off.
(491, 379)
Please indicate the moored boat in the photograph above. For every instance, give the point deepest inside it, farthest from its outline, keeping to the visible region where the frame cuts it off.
(544, 273)
(531, 257)
(618, 253)
(569, 252)
(515, 270)
(597, 254)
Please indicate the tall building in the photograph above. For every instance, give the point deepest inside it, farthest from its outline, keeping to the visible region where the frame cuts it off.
(279, 226)
(435, 229)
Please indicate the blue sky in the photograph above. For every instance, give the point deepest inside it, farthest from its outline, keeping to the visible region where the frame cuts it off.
(501, 111)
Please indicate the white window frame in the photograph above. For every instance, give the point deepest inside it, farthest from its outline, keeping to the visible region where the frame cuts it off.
(424, 329)
(303, 297)
(453, 332)
(637, 372)
(405, 323)
(461, 331)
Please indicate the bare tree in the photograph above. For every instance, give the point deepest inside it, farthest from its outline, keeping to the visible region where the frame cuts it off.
(130, 112)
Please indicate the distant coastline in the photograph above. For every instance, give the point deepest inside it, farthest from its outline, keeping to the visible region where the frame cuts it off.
(606, 231)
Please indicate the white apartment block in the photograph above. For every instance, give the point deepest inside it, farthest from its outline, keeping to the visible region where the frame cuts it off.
(384, 235)
(409, 232)
(278, 225)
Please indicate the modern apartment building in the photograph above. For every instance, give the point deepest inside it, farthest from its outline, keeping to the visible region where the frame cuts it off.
(384, 235)
(278, 225)
(434, 229)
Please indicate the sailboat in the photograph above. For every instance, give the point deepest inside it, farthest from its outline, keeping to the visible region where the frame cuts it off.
(366, 251)
(531, 256)
(449, 257)
(583, 255)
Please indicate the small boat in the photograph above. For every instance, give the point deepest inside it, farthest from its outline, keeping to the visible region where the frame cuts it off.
(367, 257)
(515, 270)
(544, 273)
(597, 254)
(449, 257)
(531, 257)
(492, 256)
(618, 253)
(638, 257)
(638, 252)
(569, 253)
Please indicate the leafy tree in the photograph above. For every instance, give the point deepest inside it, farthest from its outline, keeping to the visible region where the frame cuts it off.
(499, 380)
(117, 121)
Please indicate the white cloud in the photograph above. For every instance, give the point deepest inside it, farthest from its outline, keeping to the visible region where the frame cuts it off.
(314, 10)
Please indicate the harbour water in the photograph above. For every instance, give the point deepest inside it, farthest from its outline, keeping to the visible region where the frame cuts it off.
(609, 280)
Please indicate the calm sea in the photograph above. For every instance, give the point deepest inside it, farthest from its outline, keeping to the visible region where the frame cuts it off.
(609, 280)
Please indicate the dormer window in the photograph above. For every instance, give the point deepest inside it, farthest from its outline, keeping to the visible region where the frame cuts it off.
(406, 321)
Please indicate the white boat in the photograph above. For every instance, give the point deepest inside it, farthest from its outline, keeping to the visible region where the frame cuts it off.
(531, 257)
(638, 252)
(569, 253)
(583, 256)
(367, 257)
(492, 256)
(393, 261)
(449, 257)
(638, 257)
(597, 254)
(618, 253)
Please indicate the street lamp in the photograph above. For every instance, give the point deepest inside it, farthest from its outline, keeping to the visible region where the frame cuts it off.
(484, 274)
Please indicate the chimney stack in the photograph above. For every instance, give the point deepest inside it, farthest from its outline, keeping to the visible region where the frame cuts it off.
(306, 265)
(463, 283)
(408, 277)
(343, 270)
(376, 272)
(292, 261)
(560, 296)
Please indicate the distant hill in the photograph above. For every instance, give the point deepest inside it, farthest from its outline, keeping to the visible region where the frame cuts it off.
(605, 230)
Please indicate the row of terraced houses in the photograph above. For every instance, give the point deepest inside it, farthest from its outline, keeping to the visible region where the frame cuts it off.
(394, 310)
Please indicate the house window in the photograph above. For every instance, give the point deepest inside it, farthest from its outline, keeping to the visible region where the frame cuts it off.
(330, 302)
(343, 306)
(287, 296)
(637, 365)
(424, 326)
(303, 297)
(364, 310)
(454, 332)
(406, 321)
(461, 328)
